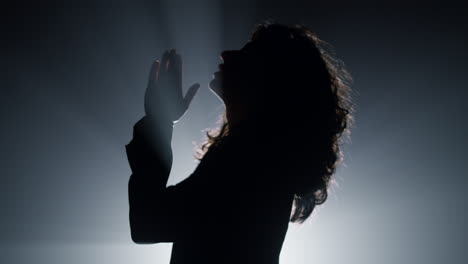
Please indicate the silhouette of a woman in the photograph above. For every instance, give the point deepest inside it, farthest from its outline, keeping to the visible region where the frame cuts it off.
(269, 164)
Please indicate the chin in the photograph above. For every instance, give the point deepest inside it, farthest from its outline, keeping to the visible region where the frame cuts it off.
(215, 87)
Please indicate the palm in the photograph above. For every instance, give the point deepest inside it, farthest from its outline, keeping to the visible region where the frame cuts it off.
(164, 97)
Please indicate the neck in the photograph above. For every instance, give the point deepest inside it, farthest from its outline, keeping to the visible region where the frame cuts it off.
(241, 119)
(235, 115)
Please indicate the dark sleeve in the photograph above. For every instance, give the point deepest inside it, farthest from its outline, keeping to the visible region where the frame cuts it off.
(221, 187)
(150, 157)
(149, 152)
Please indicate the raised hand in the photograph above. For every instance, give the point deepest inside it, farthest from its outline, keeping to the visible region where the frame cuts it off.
(164, 98)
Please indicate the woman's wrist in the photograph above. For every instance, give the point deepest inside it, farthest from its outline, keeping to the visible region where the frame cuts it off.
(153, 130)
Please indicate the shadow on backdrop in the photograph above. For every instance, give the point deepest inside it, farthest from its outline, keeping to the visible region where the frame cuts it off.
(269, 163)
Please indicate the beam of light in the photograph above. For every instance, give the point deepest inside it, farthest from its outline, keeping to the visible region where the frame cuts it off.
(193, 29)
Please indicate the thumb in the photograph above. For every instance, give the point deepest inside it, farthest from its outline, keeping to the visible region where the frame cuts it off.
(190, 94)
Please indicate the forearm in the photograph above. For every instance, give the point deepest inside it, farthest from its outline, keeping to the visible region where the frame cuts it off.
(150, 157)
(149, 152)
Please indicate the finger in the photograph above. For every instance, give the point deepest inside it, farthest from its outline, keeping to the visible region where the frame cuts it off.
(153, 75)
(153, 70)
(165, 61)
(158, 67)
(192, 91)
(150, 90)
(175, 62)
(174, 71)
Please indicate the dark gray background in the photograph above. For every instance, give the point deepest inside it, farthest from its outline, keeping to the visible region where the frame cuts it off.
(73, 78)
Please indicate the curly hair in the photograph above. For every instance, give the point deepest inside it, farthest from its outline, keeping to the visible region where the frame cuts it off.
(320, 108)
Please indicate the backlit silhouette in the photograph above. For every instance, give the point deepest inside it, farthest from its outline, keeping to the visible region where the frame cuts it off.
(269, 164)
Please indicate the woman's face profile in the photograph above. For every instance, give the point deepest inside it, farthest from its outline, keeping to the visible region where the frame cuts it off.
(234, 72)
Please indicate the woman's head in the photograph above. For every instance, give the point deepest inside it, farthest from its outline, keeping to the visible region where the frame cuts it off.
(285, 78)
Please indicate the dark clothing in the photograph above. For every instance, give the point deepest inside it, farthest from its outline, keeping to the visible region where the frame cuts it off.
(234, 208)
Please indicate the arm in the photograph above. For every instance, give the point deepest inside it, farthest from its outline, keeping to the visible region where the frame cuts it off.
(150, 157)
(150, 154)
(159, 213)
(223, 190)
